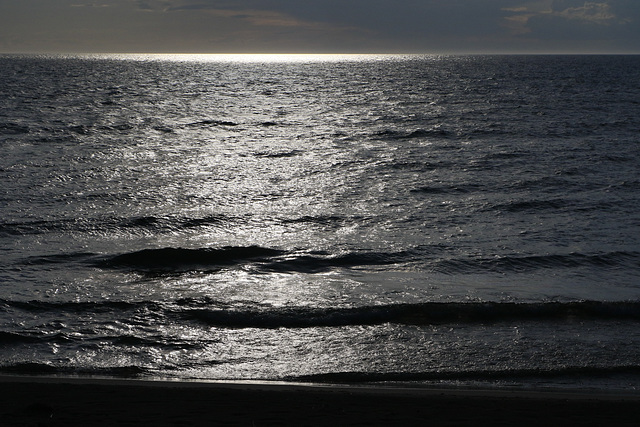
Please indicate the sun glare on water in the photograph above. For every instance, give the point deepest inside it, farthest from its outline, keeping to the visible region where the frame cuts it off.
(245, 57)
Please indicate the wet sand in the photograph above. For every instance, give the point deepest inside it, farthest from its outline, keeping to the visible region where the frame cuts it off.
(38, 401)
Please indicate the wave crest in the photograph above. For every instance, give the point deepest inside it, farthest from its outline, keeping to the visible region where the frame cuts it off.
(214, 313)
(176, 258)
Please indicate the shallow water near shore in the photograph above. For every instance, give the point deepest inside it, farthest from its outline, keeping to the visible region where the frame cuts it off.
(437, 220)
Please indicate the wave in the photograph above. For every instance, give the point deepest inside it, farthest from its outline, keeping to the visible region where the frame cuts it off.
(553, 206)
(319, 262)
(530, 206)
(348, 377)
(519, 264)
(176, 260)
(428, 258)
(436, 131)
(66, 258)
(98, 341)
(213, 313)
(417, 166)
(555, 183)
(152, 225)
(331, 222)
(123, 128)
(211, 122)
(279, 154)
(13, 338)
(135, 225)
(581, 372)
(180, 258)
(79, 307)
(152, 341)
(216, 314)
(10, 128)
(418, 314)
(456, 189)
(39, 368)
(13, 129)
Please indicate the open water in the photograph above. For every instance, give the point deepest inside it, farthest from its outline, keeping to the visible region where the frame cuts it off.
(449, 220)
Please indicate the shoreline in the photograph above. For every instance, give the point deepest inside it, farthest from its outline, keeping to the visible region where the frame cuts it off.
(71, 401)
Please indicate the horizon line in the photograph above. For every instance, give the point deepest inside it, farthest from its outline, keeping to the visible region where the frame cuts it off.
(321, 54)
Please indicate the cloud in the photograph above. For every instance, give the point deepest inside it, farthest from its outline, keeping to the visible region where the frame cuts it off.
(319, 25)
(254, 17)
(275, 19)
(575, 25)
(598, 13)
(99, 5)
(518, 24)
(146, 6)
(559, 13)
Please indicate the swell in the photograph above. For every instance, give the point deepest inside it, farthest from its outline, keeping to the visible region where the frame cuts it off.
(335, 221)
(531, 206)
(177, 260)
(73, 307)
(70, 128)
(521, 264)
(279, 154)
(418, 314)
(553, 205)
(210, 123)
(14, 338)
(9, 128)
(446, 190)
(180, 258)
(429, 258)
(65, 127)
(152, 225)
(133, 225)
(92, 339)
(65, 258)
(212, 313)
(320, 262)
(433, 132)
(171, 260)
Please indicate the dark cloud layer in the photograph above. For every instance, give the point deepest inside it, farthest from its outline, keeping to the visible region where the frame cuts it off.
(436, 26)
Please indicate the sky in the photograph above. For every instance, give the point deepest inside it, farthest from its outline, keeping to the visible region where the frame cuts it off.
(319, 26)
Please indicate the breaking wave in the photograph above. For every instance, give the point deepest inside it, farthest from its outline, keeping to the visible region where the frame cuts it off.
(468, 375)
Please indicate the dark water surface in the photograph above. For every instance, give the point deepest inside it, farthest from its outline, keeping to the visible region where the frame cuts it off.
(441, 219)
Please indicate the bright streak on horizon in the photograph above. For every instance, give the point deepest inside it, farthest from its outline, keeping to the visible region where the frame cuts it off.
(243, 57)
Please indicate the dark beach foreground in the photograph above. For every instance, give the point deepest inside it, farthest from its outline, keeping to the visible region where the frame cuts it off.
(37, 401)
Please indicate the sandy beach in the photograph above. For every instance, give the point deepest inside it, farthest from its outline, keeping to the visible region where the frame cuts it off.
(38, 401)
